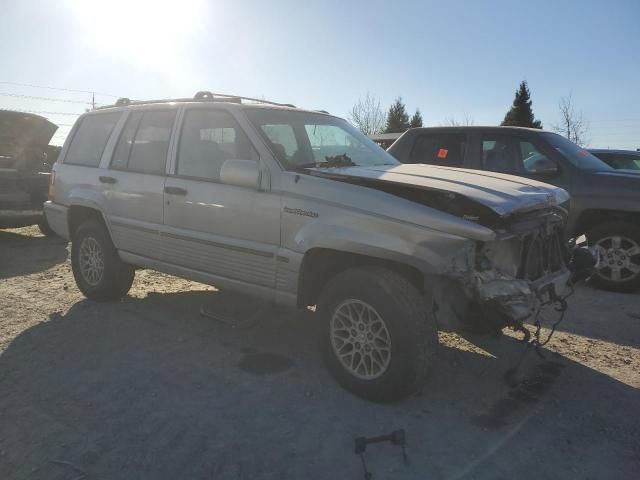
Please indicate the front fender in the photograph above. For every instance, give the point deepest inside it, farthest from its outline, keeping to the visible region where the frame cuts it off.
(430, 252)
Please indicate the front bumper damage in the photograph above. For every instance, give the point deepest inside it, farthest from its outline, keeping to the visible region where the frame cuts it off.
(515, 300)
(529, 266)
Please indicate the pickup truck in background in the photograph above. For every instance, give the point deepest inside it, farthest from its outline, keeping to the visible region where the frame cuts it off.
(604, 204)
(25, 168)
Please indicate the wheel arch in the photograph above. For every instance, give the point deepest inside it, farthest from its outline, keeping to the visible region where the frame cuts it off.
(79, 213)
(592, 217)
(320, 265)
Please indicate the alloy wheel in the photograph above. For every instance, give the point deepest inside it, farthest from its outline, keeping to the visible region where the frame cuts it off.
(619, 258)
(360, 339)
(91, 261)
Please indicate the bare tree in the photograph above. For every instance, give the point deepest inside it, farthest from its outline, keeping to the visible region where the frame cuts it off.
(466, 121)
(367, 115)
(572, 124)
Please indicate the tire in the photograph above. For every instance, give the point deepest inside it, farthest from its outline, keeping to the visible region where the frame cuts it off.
(45, 229)
(618, 243)
(99, 274)
(381, 296)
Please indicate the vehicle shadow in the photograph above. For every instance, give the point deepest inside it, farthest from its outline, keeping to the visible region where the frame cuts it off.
(150, 388)
(25, 254)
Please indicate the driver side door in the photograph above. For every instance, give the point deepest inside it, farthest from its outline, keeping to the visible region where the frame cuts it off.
(229, 231)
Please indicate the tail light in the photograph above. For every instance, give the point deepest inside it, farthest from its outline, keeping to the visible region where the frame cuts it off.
(52, 181)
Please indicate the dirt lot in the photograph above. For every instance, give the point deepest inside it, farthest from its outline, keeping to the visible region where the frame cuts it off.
(149, 388)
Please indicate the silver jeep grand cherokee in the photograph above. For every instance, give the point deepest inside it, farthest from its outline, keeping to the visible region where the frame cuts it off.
(301, 209)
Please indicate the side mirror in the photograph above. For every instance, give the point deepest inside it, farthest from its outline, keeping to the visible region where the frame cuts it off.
(241, 173)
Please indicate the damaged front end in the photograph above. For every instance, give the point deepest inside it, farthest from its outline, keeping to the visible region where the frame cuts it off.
(528, 266)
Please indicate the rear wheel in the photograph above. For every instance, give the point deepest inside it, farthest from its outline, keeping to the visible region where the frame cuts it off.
(97, 268)
(618, 245)
(379, 341)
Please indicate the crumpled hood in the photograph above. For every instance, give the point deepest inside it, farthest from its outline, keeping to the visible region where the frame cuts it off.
(504, 194)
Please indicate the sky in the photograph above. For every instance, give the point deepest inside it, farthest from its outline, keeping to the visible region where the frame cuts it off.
(451, 59)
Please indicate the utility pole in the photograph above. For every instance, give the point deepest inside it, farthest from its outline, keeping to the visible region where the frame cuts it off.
(93, 100)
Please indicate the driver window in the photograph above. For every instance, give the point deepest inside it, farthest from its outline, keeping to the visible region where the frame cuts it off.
(209, 137)
(499, 154)
(533, 160)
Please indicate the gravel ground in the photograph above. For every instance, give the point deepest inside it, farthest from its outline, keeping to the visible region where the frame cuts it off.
(147, 388)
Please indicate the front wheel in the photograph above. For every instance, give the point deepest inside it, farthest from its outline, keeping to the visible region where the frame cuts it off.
(618, 245)
(97, 268)
(380, 340)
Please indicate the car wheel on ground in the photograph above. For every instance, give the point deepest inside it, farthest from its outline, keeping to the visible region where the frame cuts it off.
(45, 228)
(97, 268)
(618, 244)
(379, 339)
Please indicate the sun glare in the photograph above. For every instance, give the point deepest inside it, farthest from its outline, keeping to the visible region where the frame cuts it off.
(144, 32)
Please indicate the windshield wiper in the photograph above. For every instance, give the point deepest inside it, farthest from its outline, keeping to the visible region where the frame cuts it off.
(338, 161)
(330, 162)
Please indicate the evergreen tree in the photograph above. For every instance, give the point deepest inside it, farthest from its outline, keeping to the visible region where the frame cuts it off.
(416, 120)
(397, 118)
(520, 114)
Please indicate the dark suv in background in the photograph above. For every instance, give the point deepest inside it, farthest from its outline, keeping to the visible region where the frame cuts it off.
(605, 202)
(618, 159)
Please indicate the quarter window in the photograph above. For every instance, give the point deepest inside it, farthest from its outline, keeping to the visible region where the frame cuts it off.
(90, 139)
(209, 137)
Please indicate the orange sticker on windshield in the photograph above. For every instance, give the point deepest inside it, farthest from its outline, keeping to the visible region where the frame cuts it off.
(443, 152)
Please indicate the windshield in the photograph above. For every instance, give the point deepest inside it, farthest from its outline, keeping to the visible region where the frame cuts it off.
(306, 140)
(578, 156)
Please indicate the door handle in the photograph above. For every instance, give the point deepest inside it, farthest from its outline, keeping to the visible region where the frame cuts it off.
(107, 179)
(175, 190)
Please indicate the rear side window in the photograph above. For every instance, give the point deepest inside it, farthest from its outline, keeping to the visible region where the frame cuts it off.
(446, 149)
(209, 137)
(90, 139)
(144, 142)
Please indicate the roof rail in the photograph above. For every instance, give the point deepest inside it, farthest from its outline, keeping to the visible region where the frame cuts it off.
(201, 96)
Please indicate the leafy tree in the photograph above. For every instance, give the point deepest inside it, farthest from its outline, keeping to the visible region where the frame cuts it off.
(367, 115)
(520, 114)
(416, 120)
(397, 118)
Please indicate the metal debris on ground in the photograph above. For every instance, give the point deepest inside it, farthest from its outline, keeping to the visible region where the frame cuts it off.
(397, 437)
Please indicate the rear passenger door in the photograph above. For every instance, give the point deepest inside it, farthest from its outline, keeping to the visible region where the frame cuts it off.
(225, 230)
(443, 149)
(134, 181)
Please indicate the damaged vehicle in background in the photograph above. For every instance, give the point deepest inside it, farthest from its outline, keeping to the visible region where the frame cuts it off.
(299, 208)
(25, 167)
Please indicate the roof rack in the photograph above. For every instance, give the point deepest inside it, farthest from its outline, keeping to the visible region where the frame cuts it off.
(202, 96)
